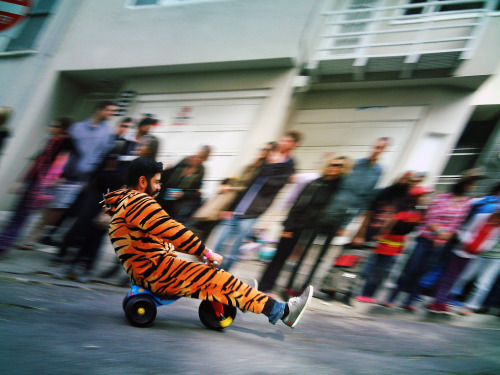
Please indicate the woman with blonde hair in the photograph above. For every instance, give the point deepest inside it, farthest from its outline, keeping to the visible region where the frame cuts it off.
(303, 219)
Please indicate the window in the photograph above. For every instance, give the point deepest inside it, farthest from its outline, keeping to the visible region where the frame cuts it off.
(467, 151)
(145, 2)
(31, 27)
(149, 3)
(434, 8)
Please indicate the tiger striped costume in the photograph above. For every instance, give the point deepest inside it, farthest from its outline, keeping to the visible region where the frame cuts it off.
(144, 238)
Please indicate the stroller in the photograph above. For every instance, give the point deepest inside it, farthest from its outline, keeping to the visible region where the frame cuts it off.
(345, 272)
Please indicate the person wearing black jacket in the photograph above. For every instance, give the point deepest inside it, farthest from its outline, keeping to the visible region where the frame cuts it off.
(257, 198)
(86, 232)
(303, 219)
(180, 186)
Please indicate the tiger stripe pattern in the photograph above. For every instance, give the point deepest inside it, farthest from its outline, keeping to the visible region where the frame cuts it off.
(145, 239)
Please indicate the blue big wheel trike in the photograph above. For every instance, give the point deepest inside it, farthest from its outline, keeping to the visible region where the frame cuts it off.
(140, 309)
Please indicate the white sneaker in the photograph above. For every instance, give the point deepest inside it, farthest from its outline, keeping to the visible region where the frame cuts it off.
(254, 284)
(297, 306)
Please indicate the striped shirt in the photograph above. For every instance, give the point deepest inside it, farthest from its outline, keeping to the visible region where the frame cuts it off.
(447, 213)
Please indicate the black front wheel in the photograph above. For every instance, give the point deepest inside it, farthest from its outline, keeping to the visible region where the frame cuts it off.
(209, 317)
(140, 311)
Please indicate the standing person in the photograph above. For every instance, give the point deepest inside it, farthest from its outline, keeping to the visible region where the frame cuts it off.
(144, 237)
(386, 202)
(391, 241)
(257, 198)
(479, 235)
(91, 139)
(417, 179)
(357, 192)
(35, 184)
(86, 233)
(207, 216)
(364, 176)
(303, 218)
(486, 267)
(445, 215)
(485, 204)
(143, 128)
(146, 148)
(180, 192)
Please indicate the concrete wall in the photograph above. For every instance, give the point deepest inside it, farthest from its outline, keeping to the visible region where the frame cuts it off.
(448, 111)
(27, 82)
(107, 34)
(489, 92)
(270, 121)
(486, 54)
(21, 71)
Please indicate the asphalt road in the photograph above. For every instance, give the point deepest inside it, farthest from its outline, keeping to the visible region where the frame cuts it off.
(46, 328)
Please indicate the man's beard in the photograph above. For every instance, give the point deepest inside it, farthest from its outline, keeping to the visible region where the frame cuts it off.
(151, 192)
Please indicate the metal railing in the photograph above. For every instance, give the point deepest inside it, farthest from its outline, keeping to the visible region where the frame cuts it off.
(366, 31)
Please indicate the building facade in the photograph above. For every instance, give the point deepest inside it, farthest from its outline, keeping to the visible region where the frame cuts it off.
(234, 74)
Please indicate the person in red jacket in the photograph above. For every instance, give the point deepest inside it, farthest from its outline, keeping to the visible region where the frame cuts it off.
(391, 241)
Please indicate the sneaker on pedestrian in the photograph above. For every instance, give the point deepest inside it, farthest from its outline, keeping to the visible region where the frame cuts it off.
(82, 274)
(83, 277)
(65, 272)
(27, 246)
(365, 299)
(482, 310)
(386, 304)
(297, 306)
(409, 308)
(56, 261)
(455, 302)
(466, 311)
(438, 307)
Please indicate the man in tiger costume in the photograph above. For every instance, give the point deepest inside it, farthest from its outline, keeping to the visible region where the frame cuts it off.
(144, 238)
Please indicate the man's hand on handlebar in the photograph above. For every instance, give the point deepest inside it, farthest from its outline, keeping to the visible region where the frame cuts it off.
(215, 260)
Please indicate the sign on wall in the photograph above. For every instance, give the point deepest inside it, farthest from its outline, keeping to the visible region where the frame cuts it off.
(183, 116)
(13, 11)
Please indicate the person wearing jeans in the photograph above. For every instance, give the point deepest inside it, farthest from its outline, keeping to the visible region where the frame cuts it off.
(486, 268)
(237, 229)
(480, 235)
(303, 221)
(390, 243)
(258, 197)
(444, 217)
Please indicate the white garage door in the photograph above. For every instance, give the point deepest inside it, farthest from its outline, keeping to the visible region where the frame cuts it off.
(188, 121)
(351, 131)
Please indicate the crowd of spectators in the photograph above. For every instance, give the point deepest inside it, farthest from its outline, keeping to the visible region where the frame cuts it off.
(451, 237)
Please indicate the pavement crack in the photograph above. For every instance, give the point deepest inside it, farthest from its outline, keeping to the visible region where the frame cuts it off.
(27, 307)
